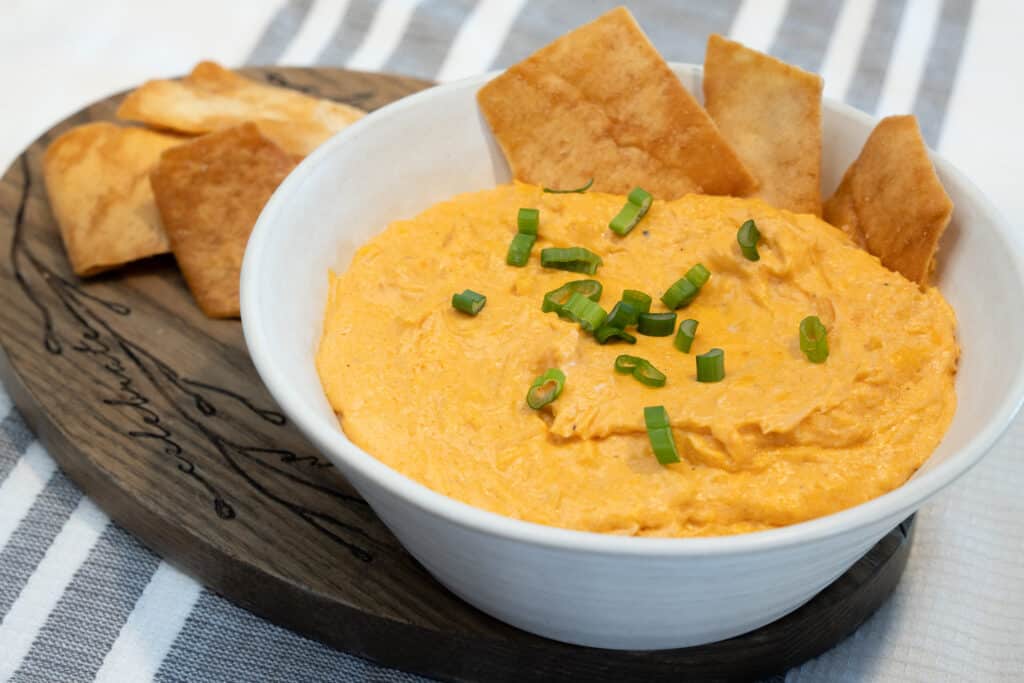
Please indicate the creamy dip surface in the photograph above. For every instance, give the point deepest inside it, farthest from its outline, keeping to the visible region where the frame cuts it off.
(439, 395)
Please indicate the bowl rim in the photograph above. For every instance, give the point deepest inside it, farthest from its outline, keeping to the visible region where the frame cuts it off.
(901, 501)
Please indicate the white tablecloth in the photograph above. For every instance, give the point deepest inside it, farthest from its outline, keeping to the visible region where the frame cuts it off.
(81, 600)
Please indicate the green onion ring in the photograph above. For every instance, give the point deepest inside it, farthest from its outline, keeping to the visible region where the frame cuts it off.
(684, 337)
(469, 302)
(711, 366)
(545, 389)
(656, 324)
(814, 339)
(748, 236)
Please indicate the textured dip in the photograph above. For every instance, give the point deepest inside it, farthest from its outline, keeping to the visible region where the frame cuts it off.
(439, 395)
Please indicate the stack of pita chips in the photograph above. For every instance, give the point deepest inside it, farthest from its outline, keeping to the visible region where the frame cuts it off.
(597, 104)
(215, 147)
(600, 103)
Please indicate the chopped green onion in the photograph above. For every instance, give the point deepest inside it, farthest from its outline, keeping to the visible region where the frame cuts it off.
(698, 275)
(626, 364)
(640, 197)
(575, 259)
(641, 369)
(656, 324)
(711, 366)
(469, 302)
(588, 314)
(649, 375)
(637, 204)
(684, 290)
(545, 388)
(529, 221)
(519, 249)
(626, 219)
(607, 333)
(684, 337)
(660, 433)
(556, 299)
(680, 294)
(814, 339)
(664, 446)
(622, 315)
(581, 189)
(637, 299)
(748, 236)
(656, 417)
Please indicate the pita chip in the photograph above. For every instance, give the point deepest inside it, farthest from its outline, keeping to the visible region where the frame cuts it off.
(97, 177)
(770, 112)
(210, 193)
(212, 97)
(601, 103)
(891, 201)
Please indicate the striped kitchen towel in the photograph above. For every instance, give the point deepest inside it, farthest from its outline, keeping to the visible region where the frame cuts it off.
(81, 600)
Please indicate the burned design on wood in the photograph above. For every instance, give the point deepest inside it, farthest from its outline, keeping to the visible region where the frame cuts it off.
(357, 99)
(122, 361)
(280, 81)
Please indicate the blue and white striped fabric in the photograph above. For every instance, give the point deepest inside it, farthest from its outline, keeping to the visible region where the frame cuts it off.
(81, 600)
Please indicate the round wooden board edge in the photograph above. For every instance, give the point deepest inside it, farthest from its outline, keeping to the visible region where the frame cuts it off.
(407, 647)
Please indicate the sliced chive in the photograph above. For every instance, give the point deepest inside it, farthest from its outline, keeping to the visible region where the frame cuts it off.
(581, 189)
(814, 339)
(640, 197)
(748, 236)
(663, 445)
(556, 299)
(574, 259)
(656, 324)
(625, 220)
(656, 417)
(680, 294)
(641, 369)
(622, 315)
(638, 300)
(659, 431)
(711, 366)
(684, 337)
(519, 249)
(637, 204)
(588, 314)
(649, 375)
(529, 221)
(545, 389)
(606, 333)
(698, 275)
(469, 302)
(626, 364)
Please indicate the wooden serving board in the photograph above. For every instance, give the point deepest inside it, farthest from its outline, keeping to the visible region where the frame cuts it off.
(157, 413)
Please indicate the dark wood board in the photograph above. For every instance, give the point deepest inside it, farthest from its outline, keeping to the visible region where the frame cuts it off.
(157, 413)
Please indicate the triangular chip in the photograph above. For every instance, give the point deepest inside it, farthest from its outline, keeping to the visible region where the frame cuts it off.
(296, 139)
(97, 177)
(891, 201)
(210, 193)
(212, 98)
(601, 103)
(771, 113)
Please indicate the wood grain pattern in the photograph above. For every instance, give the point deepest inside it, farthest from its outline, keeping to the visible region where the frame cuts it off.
(157, 413)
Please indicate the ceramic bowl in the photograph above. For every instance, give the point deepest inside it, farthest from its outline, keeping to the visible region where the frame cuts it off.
(578, 587)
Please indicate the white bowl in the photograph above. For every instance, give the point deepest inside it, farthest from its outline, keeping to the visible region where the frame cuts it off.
(587, 588)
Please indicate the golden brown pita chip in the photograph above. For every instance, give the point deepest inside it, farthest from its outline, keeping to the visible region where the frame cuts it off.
(97, 176)
(210, 193)
(298, 140)
(212, 98)
(891, 201)
(601, 103)
(771, 113)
